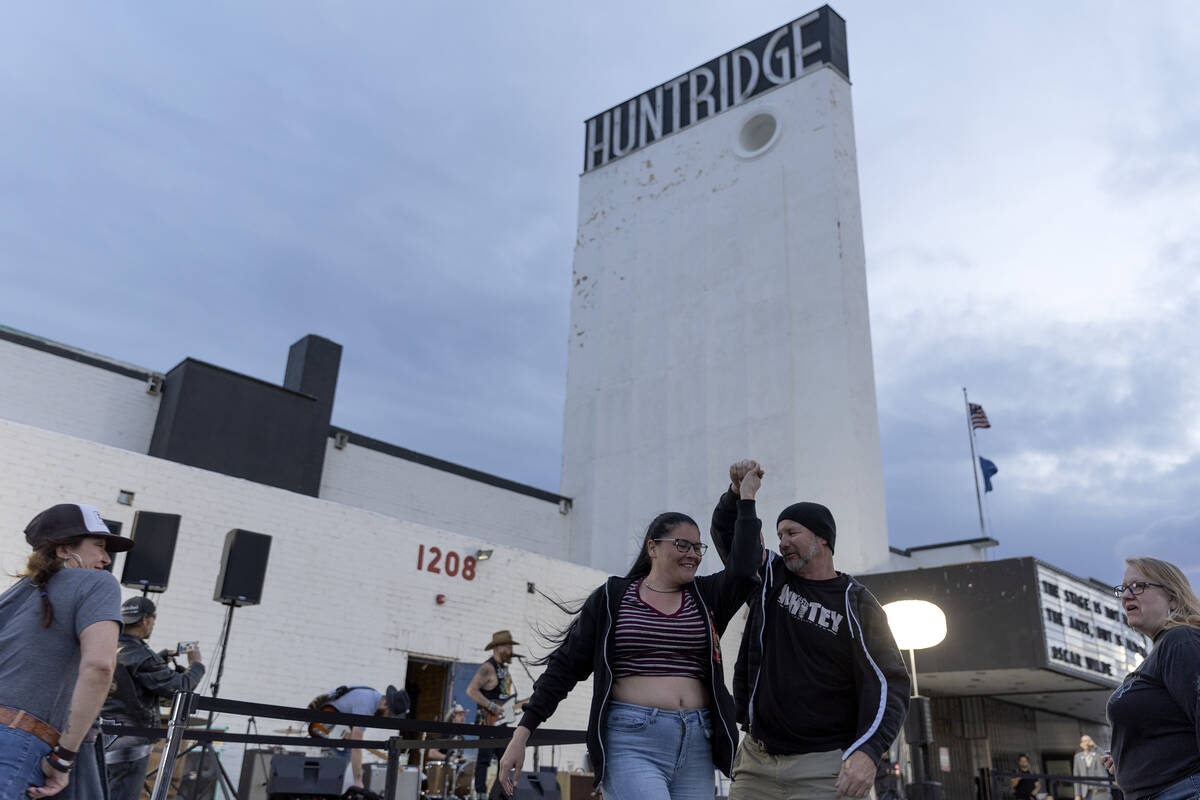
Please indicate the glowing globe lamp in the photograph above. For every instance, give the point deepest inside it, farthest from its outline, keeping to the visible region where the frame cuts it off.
(916, 624)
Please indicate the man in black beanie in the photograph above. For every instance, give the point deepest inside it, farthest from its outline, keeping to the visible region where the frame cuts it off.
(820, 686)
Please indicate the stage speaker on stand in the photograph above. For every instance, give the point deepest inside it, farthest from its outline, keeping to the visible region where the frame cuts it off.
(243, 568)
(148, 564)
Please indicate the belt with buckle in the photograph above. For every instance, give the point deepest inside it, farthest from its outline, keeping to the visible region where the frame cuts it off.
(24, 721)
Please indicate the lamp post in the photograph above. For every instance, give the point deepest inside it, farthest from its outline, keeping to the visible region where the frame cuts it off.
(917, 625)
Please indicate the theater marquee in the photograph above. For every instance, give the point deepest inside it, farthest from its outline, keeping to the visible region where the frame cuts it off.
(771, 60)
(1086, 630)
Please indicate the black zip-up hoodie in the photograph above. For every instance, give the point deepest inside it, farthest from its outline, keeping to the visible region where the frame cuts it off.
(879, 672)
(588, 647)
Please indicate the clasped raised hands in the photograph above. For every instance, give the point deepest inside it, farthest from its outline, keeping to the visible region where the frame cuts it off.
(746, 476)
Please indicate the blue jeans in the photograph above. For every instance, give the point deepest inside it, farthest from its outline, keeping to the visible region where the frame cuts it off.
(654, 754)
(126, 778)
(1186, 789)
(21, 755)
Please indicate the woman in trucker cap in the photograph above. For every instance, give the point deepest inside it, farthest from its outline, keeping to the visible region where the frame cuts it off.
(58, 642)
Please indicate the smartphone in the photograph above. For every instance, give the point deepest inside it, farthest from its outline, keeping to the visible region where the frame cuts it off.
(183, 647)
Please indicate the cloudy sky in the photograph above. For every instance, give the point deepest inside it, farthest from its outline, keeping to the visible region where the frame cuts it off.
(218, 180)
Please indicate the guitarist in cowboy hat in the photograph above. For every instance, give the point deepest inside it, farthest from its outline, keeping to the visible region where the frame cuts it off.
(493, 692)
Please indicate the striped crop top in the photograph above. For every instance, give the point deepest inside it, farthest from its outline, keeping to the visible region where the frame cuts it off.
(649, 642)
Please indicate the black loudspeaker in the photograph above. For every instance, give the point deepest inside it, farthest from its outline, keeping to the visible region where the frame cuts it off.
(540, 785)
(148, 564)
(298, 775)
(243, 568)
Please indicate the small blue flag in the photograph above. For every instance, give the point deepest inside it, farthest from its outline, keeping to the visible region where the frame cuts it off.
(989, 469)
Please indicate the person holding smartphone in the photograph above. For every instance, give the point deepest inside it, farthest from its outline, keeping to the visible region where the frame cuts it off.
(142, 677)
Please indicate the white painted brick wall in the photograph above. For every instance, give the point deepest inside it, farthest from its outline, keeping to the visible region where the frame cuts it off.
(364, 478)
(343, 601)
(59, 394)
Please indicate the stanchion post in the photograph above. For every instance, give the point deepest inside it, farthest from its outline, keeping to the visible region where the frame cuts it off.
(181, 709)
(393, 768)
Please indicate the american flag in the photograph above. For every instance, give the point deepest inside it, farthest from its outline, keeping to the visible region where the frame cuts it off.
(978, 418)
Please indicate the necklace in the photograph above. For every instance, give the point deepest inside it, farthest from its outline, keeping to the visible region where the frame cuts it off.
(646, 583)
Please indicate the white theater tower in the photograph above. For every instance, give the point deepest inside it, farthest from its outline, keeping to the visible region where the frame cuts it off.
(719, 308)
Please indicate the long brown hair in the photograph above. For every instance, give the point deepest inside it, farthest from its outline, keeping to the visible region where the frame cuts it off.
(1187, 606)
(43, 563)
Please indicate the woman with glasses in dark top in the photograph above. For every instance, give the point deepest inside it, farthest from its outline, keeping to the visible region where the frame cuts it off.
(1155, 712)
(661, 716)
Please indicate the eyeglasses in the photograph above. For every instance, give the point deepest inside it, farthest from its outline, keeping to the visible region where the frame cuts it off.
(683, 545)
(1137, 587)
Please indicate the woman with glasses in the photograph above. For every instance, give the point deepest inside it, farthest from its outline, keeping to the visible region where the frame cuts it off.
(1155, 712)
(661, 716)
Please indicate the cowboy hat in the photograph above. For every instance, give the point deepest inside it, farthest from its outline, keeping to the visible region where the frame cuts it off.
(499, 638)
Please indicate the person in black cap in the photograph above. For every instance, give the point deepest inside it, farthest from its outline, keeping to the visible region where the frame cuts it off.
(820, 686)
(362, 700)
(58, 642)
(142, 677)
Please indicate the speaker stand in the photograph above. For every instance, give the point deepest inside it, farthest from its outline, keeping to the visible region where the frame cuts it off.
(222, 776)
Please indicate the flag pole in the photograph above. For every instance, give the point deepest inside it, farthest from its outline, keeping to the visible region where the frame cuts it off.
(974, 472)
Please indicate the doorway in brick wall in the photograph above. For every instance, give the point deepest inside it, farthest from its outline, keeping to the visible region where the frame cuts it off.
(427, 682)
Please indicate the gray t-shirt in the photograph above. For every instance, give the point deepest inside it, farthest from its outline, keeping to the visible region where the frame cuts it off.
(38, 666)
(361, 700)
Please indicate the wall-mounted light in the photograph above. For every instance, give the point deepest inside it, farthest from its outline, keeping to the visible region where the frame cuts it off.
(125, 497)
(483, 555)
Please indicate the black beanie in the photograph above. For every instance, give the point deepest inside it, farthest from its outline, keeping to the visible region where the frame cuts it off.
(814, 516)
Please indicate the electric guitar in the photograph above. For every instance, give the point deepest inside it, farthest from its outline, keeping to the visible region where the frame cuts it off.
(509, 706)
(324, 730)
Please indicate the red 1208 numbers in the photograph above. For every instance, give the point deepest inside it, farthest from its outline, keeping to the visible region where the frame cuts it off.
(450, 563)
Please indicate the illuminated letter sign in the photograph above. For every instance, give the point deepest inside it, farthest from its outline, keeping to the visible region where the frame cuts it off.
(728, 80)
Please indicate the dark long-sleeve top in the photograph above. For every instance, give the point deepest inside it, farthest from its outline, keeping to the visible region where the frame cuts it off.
(588, 647)
(1155, 716)
(142, 676)
(858, 693)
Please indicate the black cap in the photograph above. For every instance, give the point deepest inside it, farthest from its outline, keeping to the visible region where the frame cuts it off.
(135, 609)
(68, 520)
(814, 516)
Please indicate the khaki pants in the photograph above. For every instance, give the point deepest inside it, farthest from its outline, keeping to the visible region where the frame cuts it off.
(758, 775)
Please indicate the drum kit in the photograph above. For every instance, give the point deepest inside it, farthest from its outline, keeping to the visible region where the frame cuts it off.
(445, 780)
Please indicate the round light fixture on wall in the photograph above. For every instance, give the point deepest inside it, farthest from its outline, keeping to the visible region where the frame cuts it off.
(759, 131)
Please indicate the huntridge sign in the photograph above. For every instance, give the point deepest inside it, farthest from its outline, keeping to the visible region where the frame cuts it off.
(728, 80)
